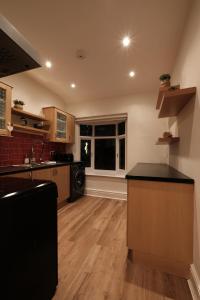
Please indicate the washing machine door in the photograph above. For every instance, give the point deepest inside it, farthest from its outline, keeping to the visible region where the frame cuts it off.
(79, 181)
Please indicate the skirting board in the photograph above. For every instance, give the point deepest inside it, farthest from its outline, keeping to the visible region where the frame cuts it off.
(194, 283)
(106, 194)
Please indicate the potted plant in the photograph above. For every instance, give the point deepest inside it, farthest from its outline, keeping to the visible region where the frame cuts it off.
(18, 104)
(165, 80)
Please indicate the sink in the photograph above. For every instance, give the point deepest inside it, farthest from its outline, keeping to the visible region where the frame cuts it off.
(49, 162)
(35, 164)
(22, 165)
(28, 165)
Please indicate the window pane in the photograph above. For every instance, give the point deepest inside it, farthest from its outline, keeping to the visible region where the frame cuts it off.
(61, 126)
(121, 128)
(105, 151)
(86, 152)
(105, 130)
(85, 130)
(122, 154)
(2, 108)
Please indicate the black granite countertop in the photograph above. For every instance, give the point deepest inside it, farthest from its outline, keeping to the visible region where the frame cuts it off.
(13, 187)
(157, 172)
(8, 170)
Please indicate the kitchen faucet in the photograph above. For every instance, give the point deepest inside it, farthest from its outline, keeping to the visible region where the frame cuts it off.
(32, 154)
(32, 158)
(42, 151)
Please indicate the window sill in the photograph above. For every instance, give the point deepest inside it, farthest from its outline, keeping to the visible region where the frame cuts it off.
(104, 173)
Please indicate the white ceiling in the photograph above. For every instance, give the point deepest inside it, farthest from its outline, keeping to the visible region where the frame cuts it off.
(56, 29)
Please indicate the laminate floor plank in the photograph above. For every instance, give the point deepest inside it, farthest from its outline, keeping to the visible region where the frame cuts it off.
(93, 257)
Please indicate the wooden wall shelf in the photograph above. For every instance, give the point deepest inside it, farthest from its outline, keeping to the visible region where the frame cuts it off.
(160, 96)
(167, 140)
(29, 129)
(27, 114)
(171, 102)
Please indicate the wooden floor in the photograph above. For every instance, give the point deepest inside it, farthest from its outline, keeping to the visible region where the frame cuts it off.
(93, 262)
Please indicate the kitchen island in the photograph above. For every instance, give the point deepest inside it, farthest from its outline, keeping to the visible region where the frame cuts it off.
(160, 218)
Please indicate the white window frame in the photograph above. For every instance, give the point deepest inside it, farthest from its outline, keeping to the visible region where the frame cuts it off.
(116, 137)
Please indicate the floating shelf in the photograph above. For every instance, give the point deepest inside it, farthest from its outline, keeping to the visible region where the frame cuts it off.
(167, 140)
(29, 115)
(160, 96)
(171, 102)
(29, 129)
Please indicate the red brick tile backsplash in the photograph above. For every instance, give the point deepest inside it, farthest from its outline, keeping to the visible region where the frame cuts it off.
(14, 149)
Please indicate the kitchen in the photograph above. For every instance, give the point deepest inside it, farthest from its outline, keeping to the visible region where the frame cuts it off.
(99, 76)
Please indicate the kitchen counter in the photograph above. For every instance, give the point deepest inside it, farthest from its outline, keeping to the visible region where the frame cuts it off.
(158, 172)
(10, 187)
(160, 218)
(8, 170)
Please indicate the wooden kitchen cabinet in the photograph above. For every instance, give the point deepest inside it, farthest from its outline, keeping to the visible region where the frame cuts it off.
(5, 108)
(42, 174)
(160, 225)
(24, 175)
(59, 175)
(70, 129)
(61, 125)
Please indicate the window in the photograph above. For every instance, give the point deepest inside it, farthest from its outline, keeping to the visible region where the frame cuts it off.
(105, 130)
(103, 146)
(105, 153)
(86, 152)
(86, 130)
(122, 153)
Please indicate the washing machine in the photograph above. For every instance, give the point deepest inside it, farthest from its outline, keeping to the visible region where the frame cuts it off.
(77, 180)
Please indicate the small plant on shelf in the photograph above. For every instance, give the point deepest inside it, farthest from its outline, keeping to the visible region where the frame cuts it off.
(18, 104)
(165, 80)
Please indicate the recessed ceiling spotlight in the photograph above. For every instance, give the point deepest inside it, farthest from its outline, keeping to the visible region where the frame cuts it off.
(73, 85)
(126, 41)
(48, 64)
(131, 74)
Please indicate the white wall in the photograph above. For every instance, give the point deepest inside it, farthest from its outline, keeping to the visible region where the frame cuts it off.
(143, 129)
(32, 93)
(185, 156)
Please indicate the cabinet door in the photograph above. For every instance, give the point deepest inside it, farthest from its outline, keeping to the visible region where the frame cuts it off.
(160, 224)
(5, 108)
(26, 175)
(43, 174)
(70, 129)
(61, 127)
(61, 176)
(50, 115)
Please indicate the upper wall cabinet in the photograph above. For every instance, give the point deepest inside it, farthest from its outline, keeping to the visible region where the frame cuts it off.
(5, 108)
(70, 129)
(61, 125)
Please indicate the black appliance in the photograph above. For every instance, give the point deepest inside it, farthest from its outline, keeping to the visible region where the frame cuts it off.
(63, 157)
(28, 247)
(16, 54)
(77, 180)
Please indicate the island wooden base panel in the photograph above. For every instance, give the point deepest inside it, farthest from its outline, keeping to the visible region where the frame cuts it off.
(175, 268)
(160, 224)
(93, 262)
